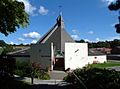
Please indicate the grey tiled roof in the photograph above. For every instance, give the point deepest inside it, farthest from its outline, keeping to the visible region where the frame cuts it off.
(57, 35)
(24, 51)
(94, 51)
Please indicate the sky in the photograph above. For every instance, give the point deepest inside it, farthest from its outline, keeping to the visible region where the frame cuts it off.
(90, 20)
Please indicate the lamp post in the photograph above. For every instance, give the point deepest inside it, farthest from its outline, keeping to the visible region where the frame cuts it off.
(80, 81)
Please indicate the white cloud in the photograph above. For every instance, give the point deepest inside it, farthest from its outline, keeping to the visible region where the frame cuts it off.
(43, 10)
(75, 31)
(75, 37)
(34, 41)
(98, 39)
(108, 1)
(11, 43)
(87, 40)
(29, 8)
(108, 39)
(91, 32)
(32, 35)
(20, 39)
(76, 34)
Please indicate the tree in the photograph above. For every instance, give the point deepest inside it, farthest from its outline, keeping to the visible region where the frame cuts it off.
(12, 16)
(2, 43)
(80, 41)
(115, 7)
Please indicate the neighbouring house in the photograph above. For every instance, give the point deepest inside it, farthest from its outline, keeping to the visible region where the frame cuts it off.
(56, 50)
(104, 50)
(115, 50)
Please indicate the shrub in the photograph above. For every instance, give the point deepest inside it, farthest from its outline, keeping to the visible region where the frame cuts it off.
(25, 69)
(7, 67)
(40, 73)
(95, 78)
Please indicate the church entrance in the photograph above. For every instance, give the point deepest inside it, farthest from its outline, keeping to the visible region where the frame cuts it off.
(59, 64)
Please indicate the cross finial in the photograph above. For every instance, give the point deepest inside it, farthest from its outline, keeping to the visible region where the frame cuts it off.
(60, 9)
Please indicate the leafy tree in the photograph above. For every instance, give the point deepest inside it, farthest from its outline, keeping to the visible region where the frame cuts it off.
(12, 16)
(5, 47)
(2, 43)
(115, 6)
(80, 41)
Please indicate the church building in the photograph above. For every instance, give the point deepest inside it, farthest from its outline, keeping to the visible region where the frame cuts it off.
(56, 50)
(50, 49)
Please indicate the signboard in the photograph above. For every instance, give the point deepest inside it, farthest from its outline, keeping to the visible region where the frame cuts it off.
(76, 55)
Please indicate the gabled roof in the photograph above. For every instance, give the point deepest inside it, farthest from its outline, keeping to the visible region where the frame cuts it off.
(57, 35)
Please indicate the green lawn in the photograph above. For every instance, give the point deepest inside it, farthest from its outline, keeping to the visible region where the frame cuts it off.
(107, 64)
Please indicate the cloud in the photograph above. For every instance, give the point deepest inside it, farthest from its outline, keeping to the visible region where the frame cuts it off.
(32, 35)
(108, 1)
(108, 39)
(20, 39)
(34, 41)
(75, 31)
(43, 11)
(29, 8)
(98, 39)
(76, 34)
(11, 43)
(91, 32)
(87, 40)
(75, 37)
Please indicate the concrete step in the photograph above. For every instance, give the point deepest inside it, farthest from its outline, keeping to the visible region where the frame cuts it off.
(57, 75)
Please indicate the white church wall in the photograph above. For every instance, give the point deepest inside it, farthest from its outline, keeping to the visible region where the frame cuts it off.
(76, 55)
(97, 59)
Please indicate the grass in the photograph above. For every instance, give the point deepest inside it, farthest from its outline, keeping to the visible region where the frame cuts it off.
(107, 64)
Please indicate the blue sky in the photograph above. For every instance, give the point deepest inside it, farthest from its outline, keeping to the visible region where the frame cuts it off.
(84, 19)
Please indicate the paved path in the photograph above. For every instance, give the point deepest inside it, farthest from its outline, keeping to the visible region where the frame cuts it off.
(46, 84)
(38, 81)
(57, 75)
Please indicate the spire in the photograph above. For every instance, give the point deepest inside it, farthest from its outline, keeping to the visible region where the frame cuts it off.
(60, 21)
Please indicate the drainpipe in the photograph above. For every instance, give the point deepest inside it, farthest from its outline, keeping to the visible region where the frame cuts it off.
(52, 56)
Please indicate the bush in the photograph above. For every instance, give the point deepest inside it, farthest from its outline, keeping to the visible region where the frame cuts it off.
(95, 78)
(40, 73)
(25, 69)
(7, 67)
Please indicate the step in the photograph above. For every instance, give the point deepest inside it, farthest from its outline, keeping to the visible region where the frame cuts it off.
(57, 75)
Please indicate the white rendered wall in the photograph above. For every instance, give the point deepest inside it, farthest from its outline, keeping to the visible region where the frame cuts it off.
(76, 55)
(97, 59)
